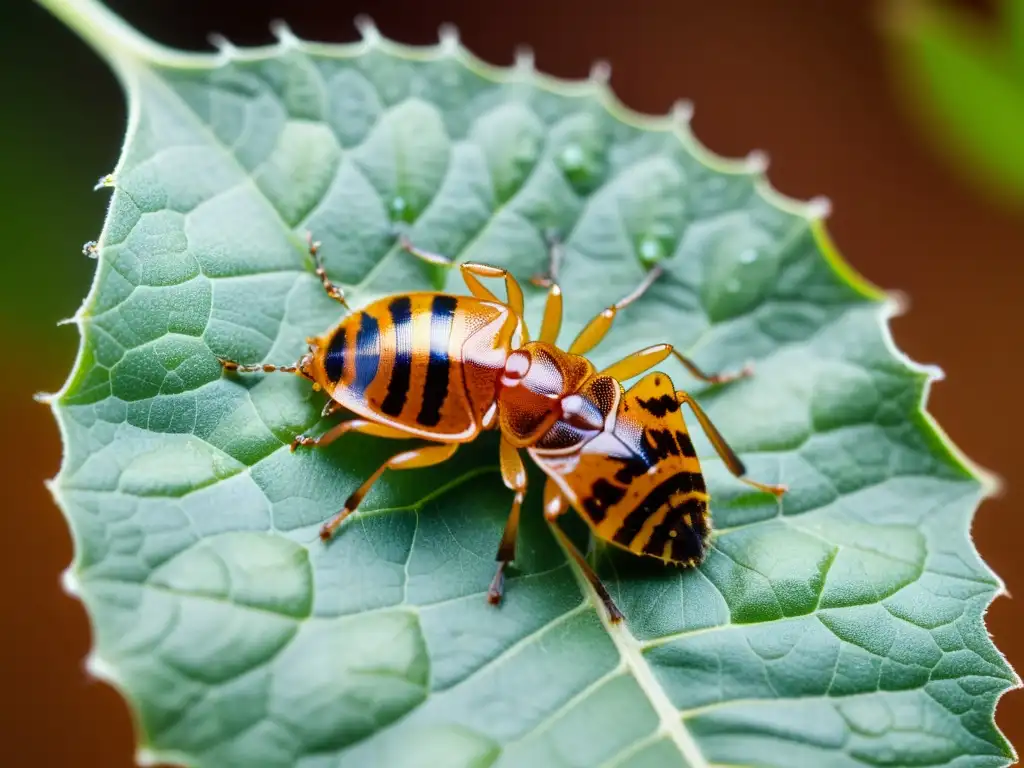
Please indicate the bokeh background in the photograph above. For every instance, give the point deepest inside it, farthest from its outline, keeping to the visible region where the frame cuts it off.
(815, 84)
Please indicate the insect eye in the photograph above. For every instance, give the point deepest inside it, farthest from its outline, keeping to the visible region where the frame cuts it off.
(581, 413)
(517, 365)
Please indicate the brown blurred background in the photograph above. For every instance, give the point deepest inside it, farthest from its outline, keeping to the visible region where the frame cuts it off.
(808, 81)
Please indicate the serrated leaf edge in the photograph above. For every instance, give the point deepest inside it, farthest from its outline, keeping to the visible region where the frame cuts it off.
(129, 53)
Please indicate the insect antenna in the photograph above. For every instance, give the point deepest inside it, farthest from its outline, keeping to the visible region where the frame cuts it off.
(332, 290)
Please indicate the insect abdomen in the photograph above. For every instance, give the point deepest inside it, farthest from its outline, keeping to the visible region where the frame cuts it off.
(402, 358)
(669, 521)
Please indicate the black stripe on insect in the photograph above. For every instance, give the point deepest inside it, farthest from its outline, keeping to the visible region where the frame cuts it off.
(435, 388)
(401, 373)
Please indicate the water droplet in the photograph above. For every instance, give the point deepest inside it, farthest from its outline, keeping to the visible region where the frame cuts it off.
(572, 158)
(748, 256)
(398, 206)
(733, 286)
(651, 250)
(582, 163)
(90, 249)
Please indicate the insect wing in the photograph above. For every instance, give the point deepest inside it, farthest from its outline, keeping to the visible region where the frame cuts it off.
(639, 483)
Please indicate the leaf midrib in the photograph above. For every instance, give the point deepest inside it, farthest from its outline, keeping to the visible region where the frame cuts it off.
(630, 653)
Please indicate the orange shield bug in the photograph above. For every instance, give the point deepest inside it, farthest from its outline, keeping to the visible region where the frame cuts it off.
(444, 368)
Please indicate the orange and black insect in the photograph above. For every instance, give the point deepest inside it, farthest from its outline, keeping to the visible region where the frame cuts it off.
(445, 367)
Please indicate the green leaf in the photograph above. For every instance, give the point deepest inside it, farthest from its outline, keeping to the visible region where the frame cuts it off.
(1013, 14)
(966, 85)
(841, 627)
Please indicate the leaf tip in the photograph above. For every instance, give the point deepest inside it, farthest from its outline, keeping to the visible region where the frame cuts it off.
(367, 29)
(225, 48)
(70, 583)
(99, 668)
(144, 756)
(993, 486)
(286, 39)
(448, 37)
(819, 207)
(600, 72)
(44, 397)
(105, 182)
(899, 303)
(524, 61)
(757, 161)
(682, 112)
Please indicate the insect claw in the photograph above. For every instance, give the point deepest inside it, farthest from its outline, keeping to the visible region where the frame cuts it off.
(497, 588)
(541, 281)
(742, 373)
(313, 245)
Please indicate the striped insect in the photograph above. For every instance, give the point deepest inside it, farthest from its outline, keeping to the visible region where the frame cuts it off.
(446, 367)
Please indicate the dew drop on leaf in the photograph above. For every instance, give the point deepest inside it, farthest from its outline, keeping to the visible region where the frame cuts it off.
(651, 250)
(398, 208)
(571, 158)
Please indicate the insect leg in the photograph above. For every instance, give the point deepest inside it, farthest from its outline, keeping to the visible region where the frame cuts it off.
(352, 425)
(552, 323)
(513, 473)
(235, 367)
(475, 286)
(595, 330)
(732, 461)
(554, 505)
(645, 359)
(471, 272)
(554, 260)
(332, 290)
(426, 456)
(436, 259)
